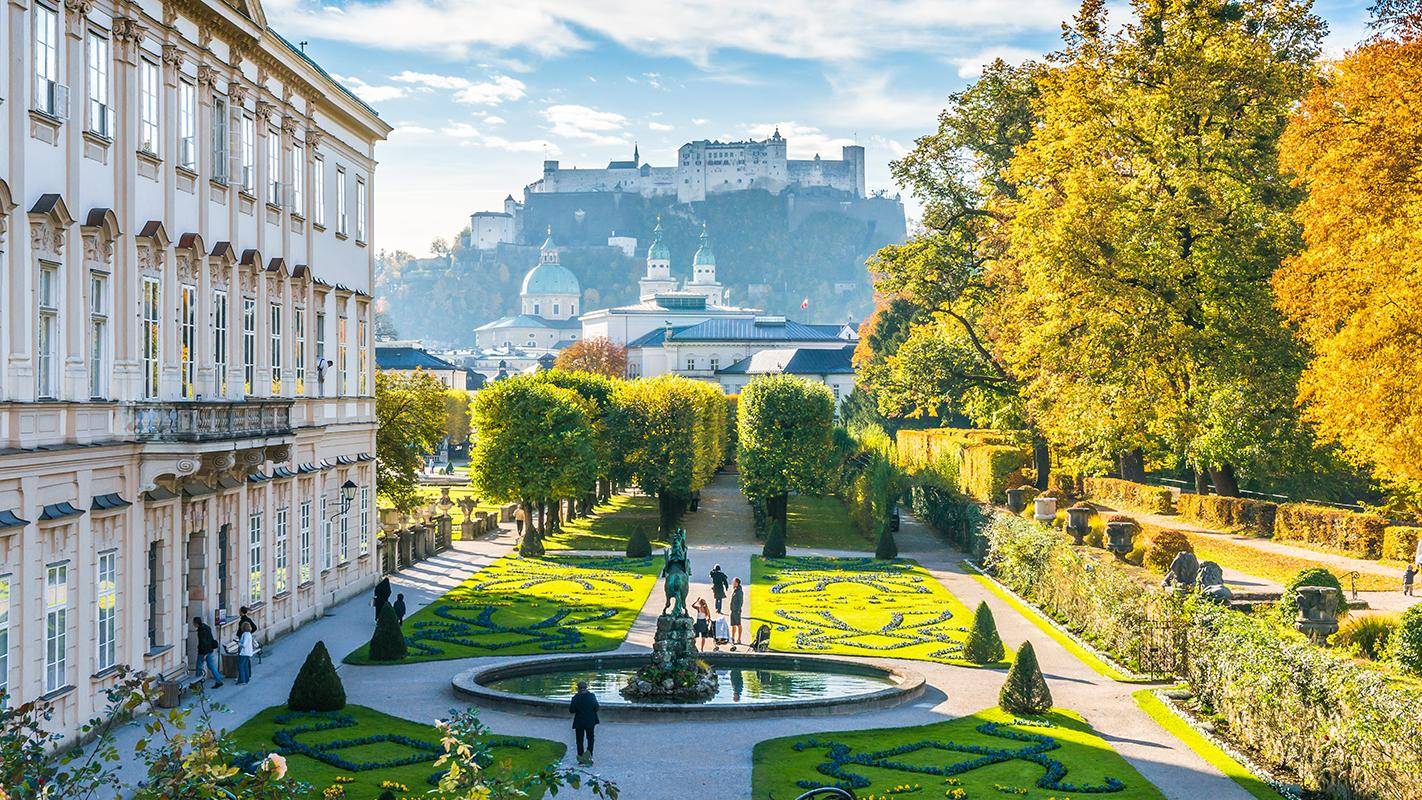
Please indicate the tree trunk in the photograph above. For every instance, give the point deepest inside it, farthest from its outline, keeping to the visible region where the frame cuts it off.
(532, 543)
(1041, 461)
(1202, 485)
(1225, 483)
(778, 508)
(1133, 465)
(671, 506)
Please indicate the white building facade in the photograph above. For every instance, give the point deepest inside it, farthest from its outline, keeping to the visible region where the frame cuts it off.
(186, 394)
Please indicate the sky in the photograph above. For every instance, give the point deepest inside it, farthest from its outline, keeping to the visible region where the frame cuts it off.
(480, 92)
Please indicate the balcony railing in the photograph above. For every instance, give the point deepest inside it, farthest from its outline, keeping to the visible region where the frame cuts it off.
(202, 420)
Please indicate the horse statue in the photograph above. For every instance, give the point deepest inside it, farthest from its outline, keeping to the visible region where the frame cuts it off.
(677, 572)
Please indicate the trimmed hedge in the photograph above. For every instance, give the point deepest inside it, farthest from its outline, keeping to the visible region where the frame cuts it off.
(919, 448)
(1130, 496)
(981, 461)
(1354, 534)
(1254, 517)
(985, 470)
(1162, 549)
(1400, 542)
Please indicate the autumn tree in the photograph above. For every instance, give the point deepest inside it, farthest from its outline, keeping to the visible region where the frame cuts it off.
(456, 415)
(785, 433)
(599, 355)
(410, 418)
(1355, 291)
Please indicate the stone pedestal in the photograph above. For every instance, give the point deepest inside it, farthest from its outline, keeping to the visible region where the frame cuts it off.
(676, 671)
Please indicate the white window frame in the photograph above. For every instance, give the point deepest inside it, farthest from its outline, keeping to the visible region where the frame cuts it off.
(148, 106)
(219, 339)
(345, 537)
(249, 344)
(98, 334)
(106, 612)
(4, 639)
(303, 574)
(187, 341)
(274, 166)
(274, 342)
(100, 112)
(362, 353)
(361, 205)
(327, 556)
(48, 332)
(150, 332)
(343, 353)
(221, 146)
(56, 626)
(254, 558)
(187, 125)
(363, 536)
(298, 177)
(249, 153)
(341, 221)
(318, 191)
(279, 555)
(46, 61)
(298, 365)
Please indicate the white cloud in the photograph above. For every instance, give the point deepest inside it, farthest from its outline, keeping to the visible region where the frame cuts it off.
(699, 121)
(460, 130)
(868, 100)
(661, 126)
(371, 93)
(492, 92)
(972, 66)
(411, 129)
(494, 120)
(582, 122)
(521, 146)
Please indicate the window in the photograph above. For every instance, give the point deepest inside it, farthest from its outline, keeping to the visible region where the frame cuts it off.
(254, 559)
(326, 549)
(341, 200)
(303, 558)
(56, 627)
(249, 344)
(690, 363)
(148, 107)
(98, 51)
(223, 566)
(107, 619)
(345, 532)
(187, 125)
(320, 336)
(274, 330)
(318, 189)
(715, 363)
(298, 177)
(47, 340)
(4, 637)
(555, 310)
(364, 534)
(279, 558)
(151, 332)
(343, 382)
(360, 209)
(298, 363)
(219, 340)
(219, 138)
(274, 166)
(155, 572)
(98, 332)
(249, 153)
(537, 310)
(48, 92)
(362, 358)
(187, 344)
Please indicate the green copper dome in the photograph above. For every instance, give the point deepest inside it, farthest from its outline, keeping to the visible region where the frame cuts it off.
(704, 257)
(659, 250)
(550, 279)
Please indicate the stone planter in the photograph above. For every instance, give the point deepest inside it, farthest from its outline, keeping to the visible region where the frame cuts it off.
(1078, 522)
(1017, 500)
(1044, 510)
(1318, 612)
(1120, 537)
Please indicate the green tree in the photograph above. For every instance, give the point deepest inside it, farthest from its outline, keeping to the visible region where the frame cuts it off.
(984, 645)
(670, 434)
(1025, 690)
(387, 643)
(410, 417)
(532, 445)
(595, 393)
(785, 430)
(456, 415)
(317, 686)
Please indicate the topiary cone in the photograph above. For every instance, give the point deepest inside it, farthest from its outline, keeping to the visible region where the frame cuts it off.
(1025, 691)
(774, 541)
(984, 646)
(317, 686)
(638, 546)
(388, 641)
(887, 547)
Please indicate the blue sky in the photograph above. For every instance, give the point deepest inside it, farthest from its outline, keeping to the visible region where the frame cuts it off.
(481, 91)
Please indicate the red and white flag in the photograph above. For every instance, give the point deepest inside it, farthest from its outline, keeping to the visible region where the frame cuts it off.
(804, 304)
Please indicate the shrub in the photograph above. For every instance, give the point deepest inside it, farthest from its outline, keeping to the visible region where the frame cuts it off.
(638, 544)
(774, 540)
(1405, 643)
(388, 641)
(317, 686)
(985, 469)
(1164, 547)
(947, 512)
(887, 547)
(1066, 488)
(1312, 576)
(1367, 634)
(1128, 495)
(919, 448)
(1254, 517)
(1348, 532)
(1400, 542)
(983, 646)
(1025, 691)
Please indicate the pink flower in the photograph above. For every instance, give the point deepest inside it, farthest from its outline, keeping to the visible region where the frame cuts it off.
(277, 765)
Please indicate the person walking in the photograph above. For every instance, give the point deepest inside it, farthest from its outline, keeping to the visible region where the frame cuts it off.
(1408, 576)
(246, 648)
(207, 652)
(382, 596)
(718, 586)
(400, 607)
(520, 519)
(702, 628)
(583, 707)
(738, 602)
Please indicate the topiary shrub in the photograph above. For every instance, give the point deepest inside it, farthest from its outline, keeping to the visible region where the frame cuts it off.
(1025, 691)
(638, 545)
(887, 547)
(1405, 643)
(317, 686)
(774, 540)
(1312, 576)
(1347, 532)
(388, 641)
(1366, 635)
(1164, 547)
(388, 794)
(983, 646)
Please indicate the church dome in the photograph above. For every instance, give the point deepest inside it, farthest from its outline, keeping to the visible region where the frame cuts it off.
(704, 257)
(659, 250)
(550, 279)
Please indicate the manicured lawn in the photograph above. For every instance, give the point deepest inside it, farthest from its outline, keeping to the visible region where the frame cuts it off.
(986, 755)
(512, 754)
(858, 607)
(1276, 567)
(609, 526)
(824, 523)
(521, 606)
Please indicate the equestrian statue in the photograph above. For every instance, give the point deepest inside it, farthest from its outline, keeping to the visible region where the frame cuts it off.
(677, 572)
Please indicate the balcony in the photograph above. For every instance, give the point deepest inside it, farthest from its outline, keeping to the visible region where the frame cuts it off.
(206, 421)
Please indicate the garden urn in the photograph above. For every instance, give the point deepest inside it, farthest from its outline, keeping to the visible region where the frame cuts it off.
(1044, 510)
(1078, 522)
(1119, 536)
(1017, 500)
(1318, 612)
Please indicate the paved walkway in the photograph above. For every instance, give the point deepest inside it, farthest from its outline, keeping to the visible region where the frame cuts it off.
(709, 758)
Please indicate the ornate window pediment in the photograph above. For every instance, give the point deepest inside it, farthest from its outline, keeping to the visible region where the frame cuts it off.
(100, 231)
(190, 253)
(220, 262)
(49, 219)
(153, 242)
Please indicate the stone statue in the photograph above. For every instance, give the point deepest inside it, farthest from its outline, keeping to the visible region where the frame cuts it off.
(1211, 582)
(1183, 571)
(677, 572)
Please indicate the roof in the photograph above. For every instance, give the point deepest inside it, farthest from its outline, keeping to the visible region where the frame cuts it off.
(530, 321)
(550, 279)
(795, 361)
(737, 329)
(836, 329)
(408, 358)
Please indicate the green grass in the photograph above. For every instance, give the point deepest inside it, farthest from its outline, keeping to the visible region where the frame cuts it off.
(859, 607)
(1276, 567)
(823, 523)
(778, 767)
(512, 755)
(523, 606)
(1203, 747)
(610, 525)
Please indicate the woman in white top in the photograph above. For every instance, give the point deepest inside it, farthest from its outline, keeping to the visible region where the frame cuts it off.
(246, 648)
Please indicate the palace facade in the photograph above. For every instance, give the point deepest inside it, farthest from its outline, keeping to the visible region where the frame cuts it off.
(187, 418)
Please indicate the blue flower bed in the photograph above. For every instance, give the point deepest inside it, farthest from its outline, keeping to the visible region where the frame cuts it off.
(329, 752)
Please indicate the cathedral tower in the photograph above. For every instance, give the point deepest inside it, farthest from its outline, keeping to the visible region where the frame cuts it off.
(658, 278)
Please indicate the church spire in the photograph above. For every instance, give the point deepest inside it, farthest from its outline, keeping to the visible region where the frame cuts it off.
(637, 162)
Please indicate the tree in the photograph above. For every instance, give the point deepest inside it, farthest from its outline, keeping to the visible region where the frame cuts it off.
(1025, 690)
(317, 686)
(1352, 293)
(456, 415)
(388, 641)
(410, 417)
(595, 393)
(670, 434)
(532, 444)
(784, 432)
(599, 355)
(983, 646)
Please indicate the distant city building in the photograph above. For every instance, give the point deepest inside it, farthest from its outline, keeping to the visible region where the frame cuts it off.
(832, 366)
(408, 357)
(546, 322)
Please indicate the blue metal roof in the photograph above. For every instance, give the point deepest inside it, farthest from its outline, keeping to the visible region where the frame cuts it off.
(795, 361)
(408, 358)
(757, 330)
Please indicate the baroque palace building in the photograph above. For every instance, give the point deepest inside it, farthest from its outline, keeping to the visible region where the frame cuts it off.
(187, 419)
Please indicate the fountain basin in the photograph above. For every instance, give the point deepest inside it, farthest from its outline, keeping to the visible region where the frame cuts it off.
(770, 685)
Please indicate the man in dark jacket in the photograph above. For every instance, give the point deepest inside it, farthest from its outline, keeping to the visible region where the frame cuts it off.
(583, 707)
(207, 651)
(719, 582)
(399, 606)
(382, 596)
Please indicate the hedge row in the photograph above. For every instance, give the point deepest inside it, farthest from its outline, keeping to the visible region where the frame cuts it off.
(1400, 542)
(980, 460)
(919, 448)
(1255, 517)
(1348, 532)
(949, 513)
(1128, 495)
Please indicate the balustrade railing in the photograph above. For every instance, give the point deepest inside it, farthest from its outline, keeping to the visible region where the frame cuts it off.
(203, 420)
